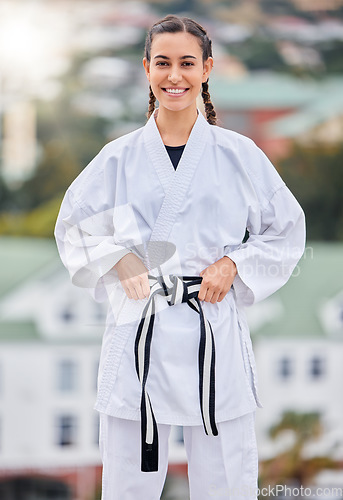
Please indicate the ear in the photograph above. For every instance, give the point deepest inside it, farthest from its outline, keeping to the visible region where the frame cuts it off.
(146, 65)
(208, 65)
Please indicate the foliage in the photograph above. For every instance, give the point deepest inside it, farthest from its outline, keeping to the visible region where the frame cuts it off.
(292, 465)
(38, 222)
(305, 425)
(259, 53)
(68, 141)
(331, 52)
(314, 175)
(5, 194)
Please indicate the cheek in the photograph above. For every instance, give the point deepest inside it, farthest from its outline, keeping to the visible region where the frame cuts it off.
(156, 77)
(196, 79)
(197, 85)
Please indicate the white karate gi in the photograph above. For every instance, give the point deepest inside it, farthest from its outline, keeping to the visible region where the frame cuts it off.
(129, 197)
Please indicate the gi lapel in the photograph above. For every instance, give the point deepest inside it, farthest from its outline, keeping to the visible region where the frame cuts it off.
(157, 153)
(175, 183)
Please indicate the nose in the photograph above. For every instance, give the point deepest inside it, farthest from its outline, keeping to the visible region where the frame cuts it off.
(175, 76)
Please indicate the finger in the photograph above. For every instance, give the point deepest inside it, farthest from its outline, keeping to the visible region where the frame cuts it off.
(205, 292)
(221, 296)
(215, 297)
(202, 292)
(127, 291)
(140, 292)
(142, 286)
(146, 287)
(134, 293)
(209, 295)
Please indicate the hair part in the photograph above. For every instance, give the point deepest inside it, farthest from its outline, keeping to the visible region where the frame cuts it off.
(175, 24)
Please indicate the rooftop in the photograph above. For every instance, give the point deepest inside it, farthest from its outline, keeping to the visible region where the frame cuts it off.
(22, 258)
(273, 90)
(327, 105)
(317, 281)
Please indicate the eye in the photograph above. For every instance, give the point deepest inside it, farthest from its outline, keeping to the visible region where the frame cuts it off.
(188, 63)
(161, 63)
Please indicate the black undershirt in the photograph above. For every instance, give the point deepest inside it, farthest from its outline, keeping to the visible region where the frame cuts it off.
(175, 153)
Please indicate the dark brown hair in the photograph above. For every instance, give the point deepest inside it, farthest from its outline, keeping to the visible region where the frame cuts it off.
(174, 24)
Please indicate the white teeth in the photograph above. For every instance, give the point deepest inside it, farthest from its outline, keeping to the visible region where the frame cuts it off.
(175, 91)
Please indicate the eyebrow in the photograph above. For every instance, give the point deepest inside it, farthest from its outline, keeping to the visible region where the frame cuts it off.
(182, 57)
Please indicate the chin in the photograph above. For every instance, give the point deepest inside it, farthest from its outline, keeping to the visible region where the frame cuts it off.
(177, 106)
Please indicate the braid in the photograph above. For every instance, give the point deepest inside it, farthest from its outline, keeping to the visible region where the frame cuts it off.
(152, 100)
(211, 115)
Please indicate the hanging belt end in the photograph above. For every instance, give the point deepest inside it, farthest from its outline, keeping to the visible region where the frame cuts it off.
(149, 457)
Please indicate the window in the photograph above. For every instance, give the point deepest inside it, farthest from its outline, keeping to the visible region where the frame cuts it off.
(67, 315)
(285, 368)
(317, 367)
(67, 375)
(66, 430)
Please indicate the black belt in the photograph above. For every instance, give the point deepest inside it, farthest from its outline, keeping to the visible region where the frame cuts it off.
(176, 289)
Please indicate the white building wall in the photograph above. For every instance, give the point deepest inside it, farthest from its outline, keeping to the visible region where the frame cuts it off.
(30, 403)
(300, 392)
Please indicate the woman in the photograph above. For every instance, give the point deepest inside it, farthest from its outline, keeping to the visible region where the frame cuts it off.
(158, 219)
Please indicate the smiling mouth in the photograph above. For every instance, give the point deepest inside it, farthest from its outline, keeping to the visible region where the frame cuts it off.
(175, 91)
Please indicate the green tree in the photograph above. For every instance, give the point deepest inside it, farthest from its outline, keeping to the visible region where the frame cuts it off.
(292, 466)
(5, 195)
(69, 140)
(314, 175)
(331, 51)
(259, 53)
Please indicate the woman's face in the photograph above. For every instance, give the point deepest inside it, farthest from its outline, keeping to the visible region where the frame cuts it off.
(176, 70)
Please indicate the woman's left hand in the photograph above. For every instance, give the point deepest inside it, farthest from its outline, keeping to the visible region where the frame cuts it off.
(217, 280)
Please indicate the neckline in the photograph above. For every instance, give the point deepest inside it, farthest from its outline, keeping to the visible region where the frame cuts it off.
(160, 158)
(175, 148)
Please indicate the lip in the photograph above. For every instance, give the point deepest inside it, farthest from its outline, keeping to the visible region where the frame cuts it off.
(179, 94)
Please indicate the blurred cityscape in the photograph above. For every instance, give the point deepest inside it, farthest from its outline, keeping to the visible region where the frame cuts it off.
(71, 80)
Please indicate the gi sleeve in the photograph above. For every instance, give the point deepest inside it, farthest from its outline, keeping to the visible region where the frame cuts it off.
(87, 246)
(276, 225)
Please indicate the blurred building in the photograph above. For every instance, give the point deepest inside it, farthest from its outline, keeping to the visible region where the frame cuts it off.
(19, 142)
(274, 110)
(318, 121)
(50, 334)
(50, 337)
(297, 335)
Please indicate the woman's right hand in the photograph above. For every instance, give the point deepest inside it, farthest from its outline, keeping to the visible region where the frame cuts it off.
(133, 276)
